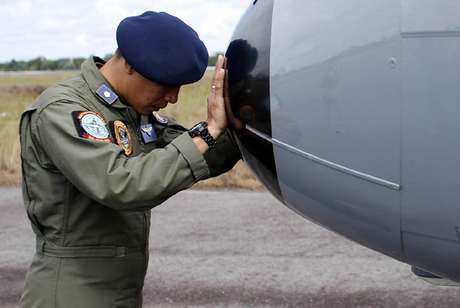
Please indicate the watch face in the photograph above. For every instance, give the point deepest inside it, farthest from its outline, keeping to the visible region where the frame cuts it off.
(193, 133)
(195, 127)
(198, 128)
(201, 128)
(195, 130)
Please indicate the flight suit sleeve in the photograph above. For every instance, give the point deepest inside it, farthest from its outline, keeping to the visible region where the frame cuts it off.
(168, 132)
(101, 170)
(223, 156)
(220, 159)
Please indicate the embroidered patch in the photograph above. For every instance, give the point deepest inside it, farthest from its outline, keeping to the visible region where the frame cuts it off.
(106, 94)
(122, 136)
(91, 125)
(160, 119)
(148, 133)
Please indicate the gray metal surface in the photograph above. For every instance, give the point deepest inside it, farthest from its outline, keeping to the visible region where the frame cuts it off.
(336, 94)
(430, 135)
(364, 102)
(324, 162)
(241, 249)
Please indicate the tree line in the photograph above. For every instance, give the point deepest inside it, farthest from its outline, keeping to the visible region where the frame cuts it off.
(44, 64)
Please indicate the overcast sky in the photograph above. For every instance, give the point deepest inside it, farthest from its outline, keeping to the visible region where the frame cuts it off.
(56, 29)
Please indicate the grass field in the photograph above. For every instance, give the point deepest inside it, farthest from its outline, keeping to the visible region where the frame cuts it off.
(17, 91)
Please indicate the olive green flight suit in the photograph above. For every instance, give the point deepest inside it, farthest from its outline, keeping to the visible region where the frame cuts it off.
(89, 203)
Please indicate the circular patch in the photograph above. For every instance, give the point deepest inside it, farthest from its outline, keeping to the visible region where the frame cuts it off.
(122, 137)
(94, 125)
(160, 119)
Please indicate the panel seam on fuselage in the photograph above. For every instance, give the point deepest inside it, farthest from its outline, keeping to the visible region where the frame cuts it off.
(327, 163)
(429, 34)
(434, 237)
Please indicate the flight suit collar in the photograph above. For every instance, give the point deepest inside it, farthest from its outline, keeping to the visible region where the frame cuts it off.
(98, 85)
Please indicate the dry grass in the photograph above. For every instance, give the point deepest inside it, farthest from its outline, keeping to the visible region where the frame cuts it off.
(18, 91)
(239, 177)
(13, 100)
(44, 79)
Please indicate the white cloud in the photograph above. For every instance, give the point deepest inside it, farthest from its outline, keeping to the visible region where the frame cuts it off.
(54, 29)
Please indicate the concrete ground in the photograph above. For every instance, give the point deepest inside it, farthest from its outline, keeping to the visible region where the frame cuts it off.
(240, 249)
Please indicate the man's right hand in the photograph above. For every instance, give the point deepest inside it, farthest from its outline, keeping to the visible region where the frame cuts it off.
(217, 117)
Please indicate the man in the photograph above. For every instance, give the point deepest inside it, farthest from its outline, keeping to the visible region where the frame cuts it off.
(96, 158)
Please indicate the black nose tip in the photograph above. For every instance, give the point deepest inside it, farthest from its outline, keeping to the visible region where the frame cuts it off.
(249, 91)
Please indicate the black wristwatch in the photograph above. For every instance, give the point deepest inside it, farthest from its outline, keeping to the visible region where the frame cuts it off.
(201, 130)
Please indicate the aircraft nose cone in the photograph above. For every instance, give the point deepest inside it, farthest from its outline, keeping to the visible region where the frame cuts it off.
(249, 92)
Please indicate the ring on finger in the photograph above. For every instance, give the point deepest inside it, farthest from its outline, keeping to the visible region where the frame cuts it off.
(213, 87)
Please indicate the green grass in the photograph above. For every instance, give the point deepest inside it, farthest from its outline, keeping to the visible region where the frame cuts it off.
(19, 91)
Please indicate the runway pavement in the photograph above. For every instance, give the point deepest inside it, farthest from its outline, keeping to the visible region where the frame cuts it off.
(240, 249)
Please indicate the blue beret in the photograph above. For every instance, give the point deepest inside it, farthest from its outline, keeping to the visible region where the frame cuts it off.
(162, 48)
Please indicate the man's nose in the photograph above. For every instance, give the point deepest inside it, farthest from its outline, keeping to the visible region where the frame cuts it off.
(172, 95)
